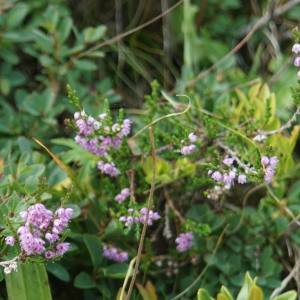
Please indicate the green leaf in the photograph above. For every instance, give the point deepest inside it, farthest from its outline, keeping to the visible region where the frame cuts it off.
(43, 41)
(225, 292)
(112, 230)
(19, 36)
(25, 147)
(290, 295)
(58, 271)
(95, 248)
(9, 56)
(255, 293)
(32, 170)
(203, 295)
(84, 65)
(84, 281)
(16, 15)
(30, 282)
(281, 224)
(266, 253)
(97, 54)
(31, 184)
(118, 270)
(294, 192)
(93, 34)
(64, 29)
(5, 86)
(245, 288)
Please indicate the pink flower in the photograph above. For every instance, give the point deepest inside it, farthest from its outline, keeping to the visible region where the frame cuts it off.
(10, 240)
(297, 62)
(184, 241)
(265, 160)
(242, 179)
(192, 137)
(296, 48)
(228, 160)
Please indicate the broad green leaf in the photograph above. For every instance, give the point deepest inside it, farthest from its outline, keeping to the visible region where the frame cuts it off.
(255, 293)
(46, 61)
(294, 136)
(5, 86)
(9, 56)
(18, 36)
(97, 54)
(93, 34)
(203, 295)
(30, 282)
(294, 192)
(84, 281)
(225, 292)
(244, 102)
(32, 170)
(254, 90)
(143, 292)
(118, 270)
(264, 92)
(43, 41)
(290, 295)
(64, 29)
(31, 184)
(266, 253)
(245, 288)
(84, 65)
(16, 15)
(222, 297)
(58, 271)
(112, 230)
(24, 146)
(151, 290)
(25, 156)
(95, 248)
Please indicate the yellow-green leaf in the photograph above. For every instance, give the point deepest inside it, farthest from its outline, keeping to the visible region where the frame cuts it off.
(255, 293)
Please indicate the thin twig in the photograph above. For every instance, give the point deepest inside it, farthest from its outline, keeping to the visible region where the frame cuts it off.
(233, 155)
(282, 128)
(285, 281)
(218, 63)
(147, 216)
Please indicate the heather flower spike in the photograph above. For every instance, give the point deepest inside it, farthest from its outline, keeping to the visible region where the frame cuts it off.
(184, 241)
(42, 228)
(100, 136)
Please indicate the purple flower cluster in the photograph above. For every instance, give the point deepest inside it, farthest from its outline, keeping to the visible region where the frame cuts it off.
(113, 254)
(186, 150)
(97, 137)
(296, 49)
(140, 216)
(123, 195)
(184, 241)
(270, 165)
(42, 224)
(228, 178)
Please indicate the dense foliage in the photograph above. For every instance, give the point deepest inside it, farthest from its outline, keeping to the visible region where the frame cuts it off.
(154, 148)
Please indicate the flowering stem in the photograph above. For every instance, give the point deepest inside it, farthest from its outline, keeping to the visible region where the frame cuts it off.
(147, 216)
